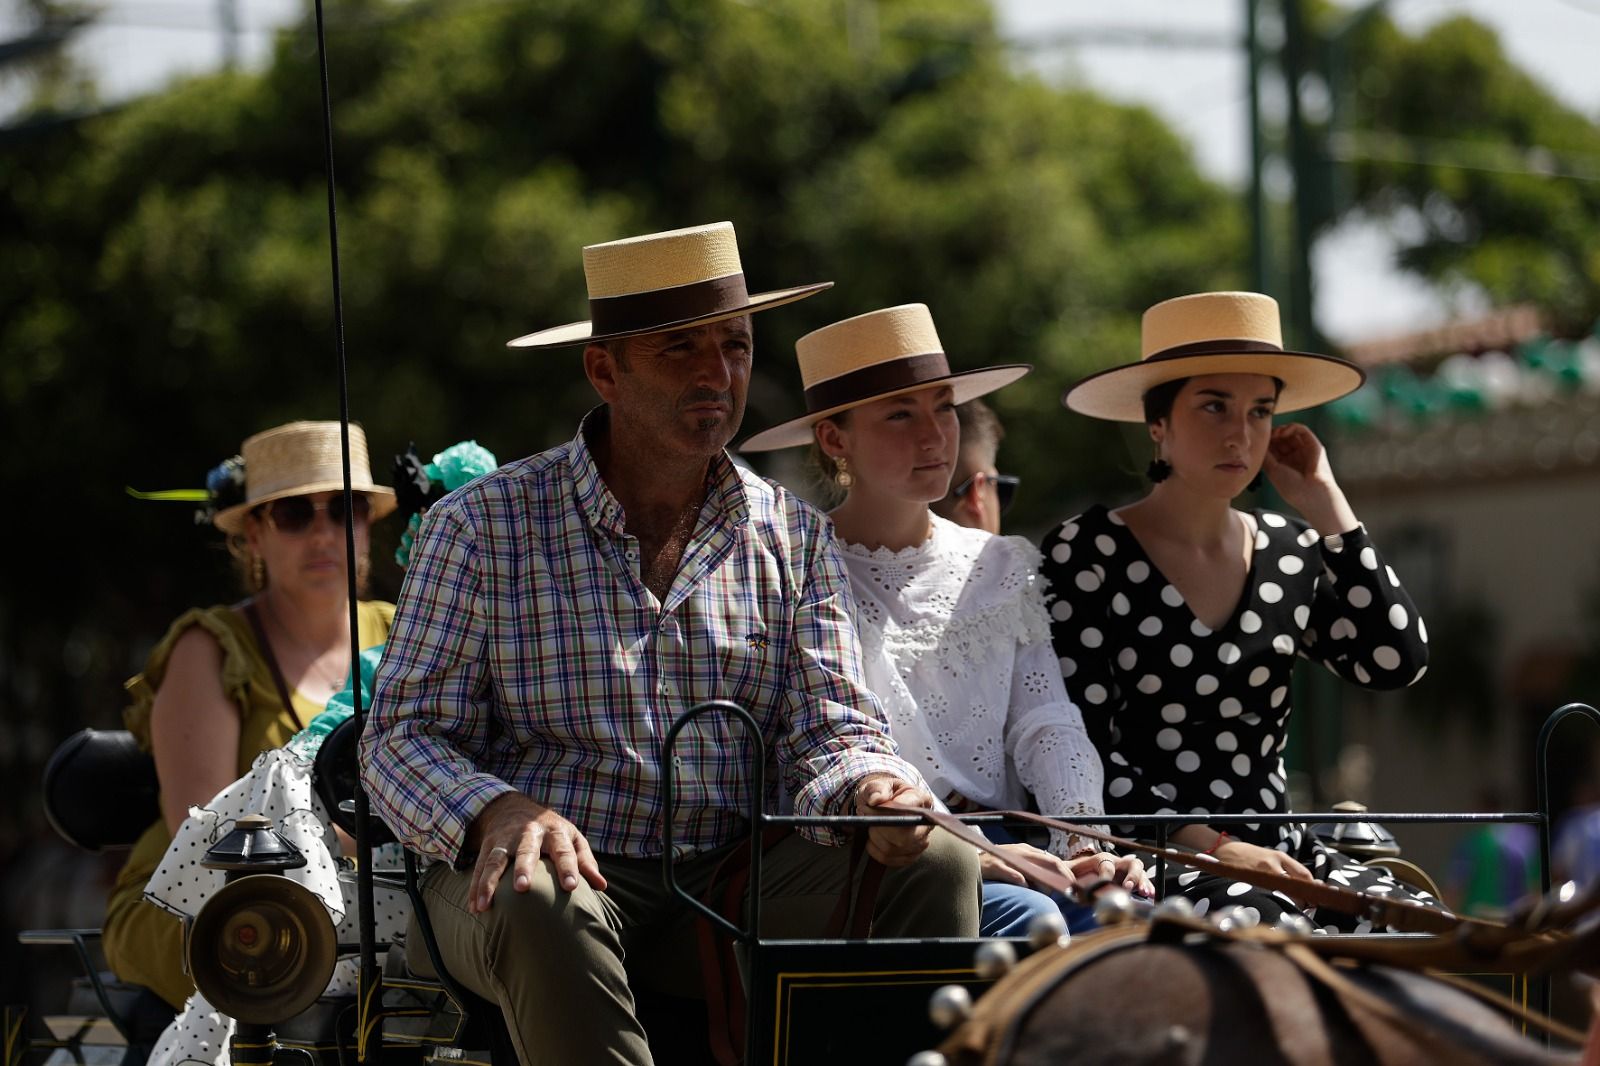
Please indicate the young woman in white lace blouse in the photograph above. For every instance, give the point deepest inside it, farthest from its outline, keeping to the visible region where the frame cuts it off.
(952, 620)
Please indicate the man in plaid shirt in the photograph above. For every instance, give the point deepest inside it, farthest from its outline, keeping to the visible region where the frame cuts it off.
(557, 616)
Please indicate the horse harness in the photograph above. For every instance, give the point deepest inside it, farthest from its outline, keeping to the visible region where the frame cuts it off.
(1533, 943)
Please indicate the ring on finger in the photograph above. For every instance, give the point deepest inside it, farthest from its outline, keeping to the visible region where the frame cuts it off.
(499, 851)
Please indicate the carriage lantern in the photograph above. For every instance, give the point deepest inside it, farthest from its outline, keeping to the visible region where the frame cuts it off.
(1360, 839)
(253, 847)
(262, 947)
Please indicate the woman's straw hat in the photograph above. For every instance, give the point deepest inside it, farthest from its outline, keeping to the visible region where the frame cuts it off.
(1213, 333)
(873, 357)
(662, 281)
(301, 458)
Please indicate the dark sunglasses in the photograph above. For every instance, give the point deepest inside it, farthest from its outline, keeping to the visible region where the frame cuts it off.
(1005, 487)
(294, 514)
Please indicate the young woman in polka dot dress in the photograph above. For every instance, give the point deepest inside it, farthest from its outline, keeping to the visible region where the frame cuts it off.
(1177, 620)
(954, 634)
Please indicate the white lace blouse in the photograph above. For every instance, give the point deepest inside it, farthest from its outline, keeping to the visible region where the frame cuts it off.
(957, 646)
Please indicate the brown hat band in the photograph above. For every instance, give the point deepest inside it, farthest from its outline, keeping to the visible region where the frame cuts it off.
(1214, 347)
(877, 379)
(641, 312)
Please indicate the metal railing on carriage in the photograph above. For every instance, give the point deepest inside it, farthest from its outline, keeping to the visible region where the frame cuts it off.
(780, 977)
(1161, 827)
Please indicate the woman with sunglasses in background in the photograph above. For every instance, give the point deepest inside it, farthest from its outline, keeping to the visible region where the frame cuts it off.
(952, 620)
(229, 682)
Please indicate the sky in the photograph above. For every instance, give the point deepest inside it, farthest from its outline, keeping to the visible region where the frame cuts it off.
(1176, 56)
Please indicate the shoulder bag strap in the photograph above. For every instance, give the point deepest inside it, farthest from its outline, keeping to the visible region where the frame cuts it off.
(253, 616)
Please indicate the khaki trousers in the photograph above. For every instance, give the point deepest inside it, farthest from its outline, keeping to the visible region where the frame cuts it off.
(554, 961)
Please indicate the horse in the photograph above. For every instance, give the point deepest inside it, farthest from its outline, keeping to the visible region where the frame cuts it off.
(1175, 987)
(1179, 990)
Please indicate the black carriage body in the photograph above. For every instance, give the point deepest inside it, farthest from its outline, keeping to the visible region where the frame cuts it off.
(821, 1001)
(809, 1001)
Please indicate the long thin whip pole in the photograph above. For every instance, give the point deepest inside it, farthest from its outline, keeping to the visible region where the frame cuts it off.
(370, 991)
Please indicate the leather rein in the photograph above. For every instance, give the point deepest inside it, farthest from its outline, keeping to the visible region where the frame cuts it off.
(1401, 915)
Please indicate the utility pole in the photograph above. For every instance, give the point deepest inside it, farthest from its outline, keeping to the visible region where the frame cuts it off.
(1283, 225)
(1309, 164)
(228, 20)
(1260, 254)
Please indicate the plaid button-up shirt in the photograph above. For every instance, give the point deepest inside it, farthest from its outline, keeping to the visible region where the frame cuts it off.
(528, 654)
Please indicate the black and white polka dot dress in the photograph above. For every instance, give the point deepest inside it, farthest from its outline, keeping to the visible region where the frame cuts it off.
(278, 785)
(1193, 720)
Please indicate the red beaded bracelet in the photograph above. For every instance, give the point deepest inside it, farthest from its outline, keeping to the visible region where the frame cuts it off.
(1222, 838)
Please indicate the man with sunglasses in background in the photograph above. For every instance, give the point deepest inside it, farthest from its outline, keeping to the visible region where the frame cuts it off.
(979, 494)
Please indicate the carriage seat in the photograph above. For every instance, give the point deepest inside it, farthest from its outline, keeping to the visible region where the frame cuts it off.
(100, 790)
(124, 999)
(100, 794)
(100, 1009)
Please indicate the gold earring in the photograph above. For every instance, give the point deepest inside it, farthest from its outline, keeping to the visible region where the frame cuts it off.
(258, 573)
(842, 472)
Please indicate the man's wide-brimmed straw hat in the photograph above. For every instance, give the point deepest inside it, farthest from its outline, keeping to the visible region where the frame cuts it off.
(662, 281)
(301, 458)
(1213, 333)
(873, 357)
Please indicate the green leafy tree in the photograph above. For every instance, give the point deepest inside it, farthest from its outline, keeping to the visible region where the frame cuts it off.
(1494, 179)
(36, 68)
